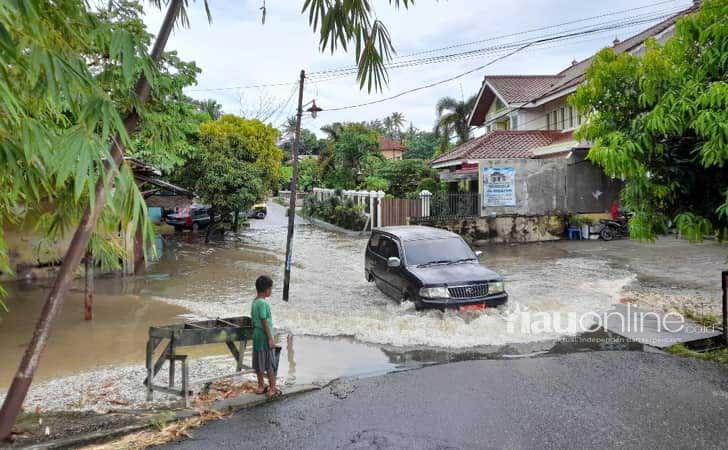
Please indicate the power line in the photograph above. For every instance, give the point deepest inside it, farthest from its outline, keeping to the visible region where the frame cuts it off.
(427, 86)
(336, 74)
(548, 39)
(600, 16)
(504, 46)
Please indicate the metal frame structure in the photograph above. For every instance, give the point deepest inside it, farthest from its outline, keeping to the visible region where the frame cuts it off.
(214, 331)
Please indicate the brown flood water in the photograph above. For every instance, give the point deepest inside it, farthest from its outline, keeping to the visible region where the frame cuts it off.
(116, 335)
(334, 314)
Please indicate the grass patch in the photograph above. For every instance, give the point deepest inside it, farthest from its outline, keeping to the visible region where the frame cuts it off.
(707, 320)
(280, 201)
(719, 355)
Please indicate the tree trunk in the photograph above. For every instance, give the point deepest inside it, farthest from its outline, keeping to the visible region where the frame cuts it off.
(208, 231)
(57, 294)
(235, 220)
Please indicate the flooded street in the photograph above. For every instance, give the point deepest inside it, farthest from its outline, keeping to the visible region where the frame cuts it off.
(335, 325)
(330, 297)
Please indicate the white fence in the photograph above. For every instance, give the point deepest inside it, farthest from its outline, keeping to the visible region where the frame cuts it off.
(372, 203)
(286, 195)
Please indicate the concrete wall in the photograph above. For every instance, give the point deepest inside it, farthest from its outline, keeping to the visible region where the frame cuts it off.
(589, 190)
(540, 186)
(502, 229)
(554, 186)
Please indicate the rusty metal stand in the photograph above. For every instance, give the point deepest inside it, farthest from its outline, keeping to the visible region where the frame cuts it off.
(228, 331)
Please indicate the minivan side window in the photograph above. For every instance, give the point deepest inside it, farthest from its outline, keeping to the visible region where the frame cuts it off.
(388, 248)
(374, 242)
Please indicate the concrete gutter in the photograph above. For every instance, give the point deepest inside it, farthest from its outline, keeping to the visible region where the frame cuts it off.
(228, 405)
(335, 228)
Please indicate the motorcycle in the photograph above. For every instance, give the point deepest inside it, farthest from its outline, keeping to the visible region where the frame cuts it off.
(612, 229)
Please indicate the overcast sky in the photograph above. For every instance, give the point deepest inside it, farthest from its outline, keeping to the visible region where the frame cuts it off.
(237, 50)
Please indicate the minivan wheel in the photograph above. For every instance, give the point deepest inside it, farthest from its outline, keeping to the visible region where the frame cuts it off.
(419, 306)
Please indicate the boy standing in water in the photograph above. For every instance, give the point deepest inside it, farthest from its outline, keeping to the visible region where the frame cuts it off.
(264, 346)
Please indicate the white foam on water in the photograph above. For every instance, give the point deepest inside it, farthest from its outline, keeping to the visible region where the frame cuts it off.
(329, 297)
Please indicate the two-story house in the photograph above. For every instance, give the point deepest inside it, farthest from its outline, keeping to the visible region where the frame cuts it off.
(526, 126)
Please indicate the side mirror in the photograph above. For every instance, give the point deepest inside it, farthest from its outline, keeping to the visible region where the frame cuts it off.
(478, 254)
(393, 262)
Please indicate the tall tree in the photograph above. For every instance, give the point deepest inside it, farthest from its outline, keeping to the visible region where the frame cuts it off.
(333, 130)
(422, 145)
(452, 119)
(397, 120)
(63, 133)
(661, 123)
(211, 107)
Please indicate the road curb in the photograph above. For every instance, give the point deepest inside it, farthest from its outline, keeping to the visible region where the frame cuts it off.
(335, 228)
(228, 405)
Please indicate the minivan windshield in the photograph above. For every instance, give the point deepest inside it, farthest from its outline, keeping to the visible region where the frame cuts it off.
(426, 251)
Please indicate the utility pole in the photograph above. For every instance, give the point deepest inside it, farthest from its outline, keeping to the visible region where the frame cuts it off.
(77, 248)
(294, 181)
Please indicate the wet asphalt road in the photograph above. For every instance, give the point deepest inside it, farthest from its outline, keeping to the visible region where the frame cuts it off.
(587, 400)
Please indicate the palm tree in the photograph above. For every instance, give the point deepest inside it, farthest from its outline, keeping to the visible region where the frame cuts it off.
(333, 130)
(211, 107)
(397, 120)
(289, 127)
(452, 118)
(388, 127)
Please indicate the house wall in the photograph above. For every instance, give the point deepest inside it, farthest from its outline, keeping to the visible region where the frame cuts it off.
(532, 119)
(589, 189)
(540, 186)
(553, 187)
(392, 154)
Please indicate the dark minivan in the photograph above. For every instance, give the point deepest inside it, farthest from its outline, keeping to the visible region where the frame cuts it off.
(431, 267)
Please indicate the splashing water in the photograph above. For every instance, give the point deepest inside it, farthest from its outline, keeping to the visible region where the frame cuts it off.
(330, 297)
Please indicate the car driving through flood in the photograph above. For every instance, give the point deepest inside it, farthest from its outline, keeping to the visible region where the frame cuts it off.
(431, 267)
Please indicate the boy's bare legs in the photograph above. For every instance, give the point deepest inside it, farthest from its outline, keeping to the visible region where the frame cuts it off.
(272, 389)
(261, 383)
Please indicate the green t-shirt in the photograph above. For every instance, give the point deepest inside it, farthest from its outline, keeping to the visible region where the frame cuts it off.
(260, 310)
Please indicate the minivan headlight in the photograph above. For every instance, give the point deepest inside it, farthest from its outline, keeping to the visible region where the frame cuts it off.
(434, 292)
(496, 287)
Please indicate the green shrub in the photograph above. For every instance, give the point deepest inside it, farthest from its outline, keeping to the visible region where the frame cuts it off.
(336, 210)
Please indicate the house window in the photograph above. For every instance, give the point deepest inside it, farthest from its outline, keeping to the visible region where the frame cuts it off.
(555, 120)
(514, 122)
(562, 121)
(578, 119)
(548, 121)
(571, 117)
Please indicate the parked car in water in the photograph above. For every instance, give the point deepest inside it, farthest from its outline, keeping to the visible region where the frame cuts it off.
(431, 267)
(192, 218)
(258, 211)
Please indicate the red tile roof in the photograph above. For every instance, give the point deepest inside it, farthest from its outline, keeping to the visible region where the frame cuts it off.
(531, 88)
(574, 74)
(521, 88)
(389, 144)
(503, 145)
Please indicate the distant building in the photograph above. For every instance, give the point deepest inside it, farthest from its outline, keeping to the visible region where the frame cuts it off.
(390, 148)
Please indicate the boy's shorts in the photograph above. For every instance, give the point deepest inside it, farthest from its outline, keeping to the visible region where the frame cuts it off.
(266, 360)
